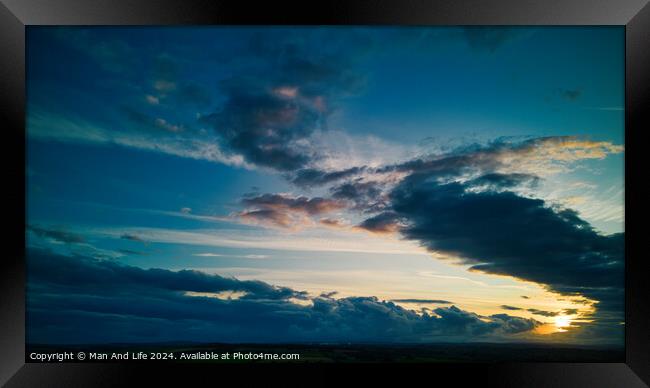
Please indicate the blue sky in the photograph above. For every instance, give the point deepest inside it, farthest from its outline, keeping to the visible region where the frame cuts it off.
(386, 164)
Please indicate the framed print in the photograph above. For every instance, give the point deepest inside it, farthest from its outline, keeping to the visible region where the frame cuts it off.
(273, 190)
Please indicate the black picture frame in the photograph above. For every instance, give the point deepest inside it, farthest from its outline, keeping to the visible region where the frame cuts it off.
(16, 14)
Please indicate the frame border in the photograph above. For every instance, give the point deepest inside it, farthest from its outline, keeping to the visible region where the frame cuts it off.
(633, 14)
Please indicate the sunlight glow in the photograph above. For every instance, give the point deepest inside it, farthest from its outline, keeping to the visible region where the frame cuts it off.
(562, 321)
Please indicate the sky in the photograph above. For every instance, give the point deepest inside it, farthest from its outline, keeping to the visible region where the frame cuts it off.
(325, 184)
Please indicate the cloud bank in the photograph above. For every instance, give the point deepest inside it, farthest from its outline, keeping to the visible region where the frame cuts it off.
(79, 299)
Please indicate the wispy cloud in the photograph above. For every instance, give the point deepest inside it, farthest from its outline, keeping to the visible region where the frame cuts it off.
(57, 235)
(64, 241)
(67, 129)
(331, 240)
(210, 254)
(422, 301)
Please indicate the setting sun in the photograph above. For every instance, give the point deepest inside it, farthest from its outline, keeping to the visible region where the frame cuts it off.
(562, 321)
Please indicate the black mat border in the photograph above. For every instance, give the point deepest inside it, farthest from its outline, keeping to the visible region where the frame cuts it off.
(16, 14)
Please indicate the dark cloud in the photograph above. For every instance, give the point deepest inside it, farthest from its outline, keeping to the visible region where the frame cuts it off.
(543, 313)
(264, 128)
(434, 301)
(386, 222)
(505, 154)
(328, 294)
(269, 115)
(506, 234)
(284, 210)
(311, 206)
(366, 196)
(570, 94)
(513, 308)
(500, 229)
(82, 300)
(466, 159)
(57, 235)
(106, 277)
(510, 324)
(337, 223)
(356, 190)
(271, 216)
(465, 323)
(132, 237)
(309, 177)
(499, 181)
